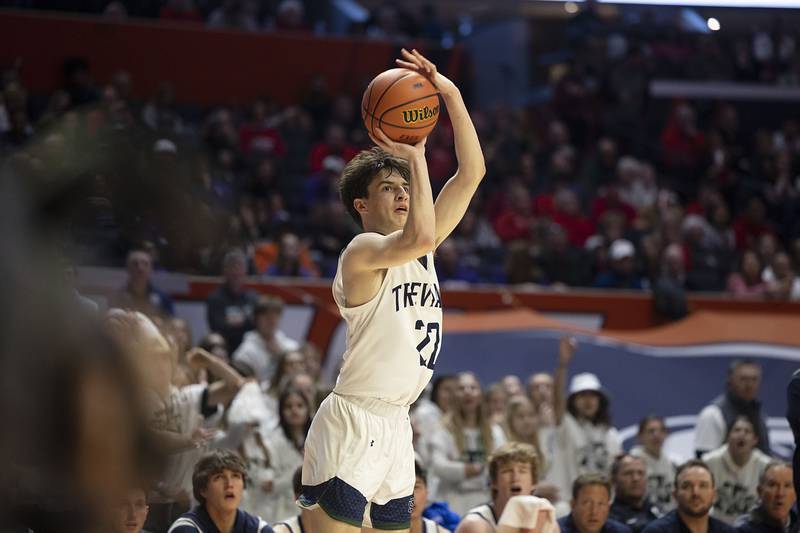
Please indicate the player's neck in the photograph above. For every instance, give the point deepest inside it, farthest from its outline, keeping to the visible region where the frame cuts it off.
(416, 525)
(224, 520)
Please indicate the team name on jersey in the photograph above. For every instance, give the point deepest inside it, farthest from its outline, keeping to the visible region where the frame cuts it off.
(416, 293)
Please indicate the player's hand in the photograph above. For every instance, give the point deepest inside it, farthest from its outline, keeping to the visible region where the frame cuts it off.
(202, 436)
(415, 61)
(398, 149)
(566, 350)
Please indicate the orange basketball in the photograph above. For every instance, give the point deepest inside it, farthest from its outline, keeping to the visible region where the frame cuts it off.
(402, 103)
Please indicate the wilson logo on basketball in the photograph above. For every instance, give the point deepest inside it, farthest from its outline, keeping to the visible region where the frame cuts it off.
(410, 116)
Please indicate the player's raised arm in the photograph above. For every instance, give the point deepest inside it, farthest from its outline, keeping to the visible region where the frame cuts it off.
(453, 200)
(393, 202)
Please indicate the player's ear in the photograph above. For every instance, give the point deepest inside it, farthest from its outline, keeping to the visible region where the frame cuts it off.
(360, 205)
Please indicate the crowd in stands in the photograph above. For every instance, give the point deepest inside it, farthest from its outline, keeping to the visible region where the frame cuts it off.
(233, 412)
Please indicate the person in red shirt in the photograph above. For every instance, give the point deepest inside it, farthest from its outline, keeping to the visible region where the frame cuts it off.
(567, 214)
(335, 143)
(515, 220)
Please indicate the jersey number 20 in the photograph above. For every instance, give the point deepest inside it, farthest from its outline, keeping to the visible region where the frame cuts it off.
(429, 328)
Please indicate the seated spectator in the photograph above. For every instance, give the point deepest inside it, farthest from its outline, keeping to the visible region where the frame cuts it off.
(694, 493)
(334, 143)
(429, 414)
(784, 283)
(218, 482)
(632, 505)
(229, 309)
(512, 385)
(419, 524)
(291, 259)
(660, 469)
(299, 523)
(585, 442)
(540, 393)
(215, 344)
(668, 291)
(608, 202)
(139, 294)
(751, 225)
(567, 214)
(591, 502)
(564, 263)
(623, 273)
(450, 268)
(776, 499)
(513, 470)
(132, 513)
(737, 467)
(259, 352)
(460, 448)
(747, 281)
(514, 222)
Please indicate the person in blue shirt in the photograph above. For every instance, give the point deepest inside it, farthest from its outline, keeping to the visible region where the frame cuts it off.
(218, 482)
(591, 504)
(694, 493)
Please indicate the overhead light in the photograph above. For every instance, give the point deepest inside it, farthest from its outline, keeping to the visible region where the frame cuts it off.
(571, 7)
(713, 24)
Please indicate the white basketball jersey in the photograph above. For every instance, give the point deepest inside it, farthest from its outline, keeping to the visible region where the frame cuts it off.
(486, 512)
(393, 339)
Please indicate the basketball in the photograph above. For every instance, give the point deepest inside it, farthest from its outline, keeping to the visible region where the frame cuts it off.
(402, 103)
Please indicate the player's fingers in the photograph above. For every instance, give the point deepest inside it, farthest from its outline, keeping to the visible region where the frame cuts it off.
(406, 64)
(427, 64)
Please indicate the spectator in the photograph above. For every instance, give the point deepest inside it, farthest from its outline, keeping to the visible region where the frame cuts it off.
(428, 415)
(512, 385)
(521, 422)
(450, 268)
(460, 449)
(737, 466)
(235, 15)
(660, 469)
(513, 470)
(334, 143)
(540, 393)
(591, 503)
(776, 499)
(668, 291)
(747, 281)
(784, 284)
(740, 398)
(285, 447)
(259, 352)
(419, 524)
(69, 279)
(298, 523)
(563, 263)
(139, 293)
(132, 513)
(585, 441)
(632, 505)
(290, 261)
(623, 273)
(567, 214)
(218, 482)
(229, 309)
(215, 344)
(496, 400)
(694, 494)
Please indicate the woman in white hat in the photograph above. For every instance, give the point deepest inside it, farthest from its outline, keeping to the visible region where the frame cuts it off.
(585, 440)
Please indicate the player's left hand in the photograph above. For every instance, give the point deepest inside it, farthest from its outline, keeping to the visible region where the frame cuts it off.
(415, 61)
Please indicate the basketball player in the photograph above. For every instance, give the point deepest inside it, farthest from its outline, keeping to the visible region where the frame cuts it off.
(359, 460)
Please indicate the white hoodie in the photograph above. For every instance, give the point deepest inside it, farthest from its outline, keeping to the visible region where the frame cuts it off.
(254, 353)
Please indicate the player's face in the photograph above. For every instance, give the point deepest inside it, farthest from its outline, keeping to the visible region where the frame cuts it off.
(513, 479)
(590, 509)
(420, 499)
(695, 492)
(295, 411)
(777, 493)
(387, 202)
(741, 438)
(652, 436)
(631, 481)
(523, 421)
(224, 491)
(131, 513)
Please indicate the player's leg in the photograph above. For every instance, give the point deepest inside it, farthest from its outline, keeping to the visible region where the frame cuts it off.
(390, 509)
(320, 521)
